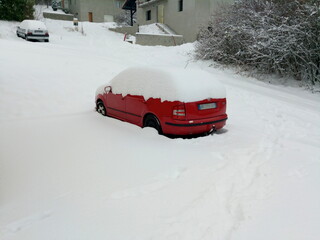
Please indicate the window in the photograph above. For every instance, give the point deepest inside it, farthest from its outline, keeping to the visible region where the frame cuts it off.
(118, 4)
(180, 6)
(148, 15)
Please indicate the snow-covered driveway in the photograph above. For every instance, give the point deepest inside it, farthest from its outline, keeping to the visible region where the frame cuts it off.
(68, 173)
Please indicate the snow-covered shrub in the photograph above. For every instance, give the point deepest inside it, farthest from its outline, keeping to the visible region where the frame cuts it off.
(124, 18)
(16, 10)
(271, 36)
(43, 2)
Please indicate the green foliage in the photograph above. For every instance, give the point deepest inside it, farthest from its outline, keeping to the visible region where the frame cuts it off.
(16, 10)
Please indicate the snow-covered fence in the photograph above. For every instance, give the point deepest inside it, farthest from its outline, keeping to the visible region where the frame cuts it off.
(269, 36)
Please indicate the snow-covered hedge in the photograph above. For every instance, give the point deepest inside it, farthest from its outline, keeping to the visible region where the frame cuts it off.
(124, 19)
(271, 36)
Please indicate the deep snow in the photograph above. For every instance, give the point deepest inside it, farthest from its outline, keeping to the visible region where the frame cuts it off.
(68, 173)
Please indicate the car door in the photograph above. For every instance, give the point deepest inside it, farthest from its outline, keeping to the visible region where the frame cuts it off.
(20, 30)
(23, 29)
(135, 107)
(116, 106)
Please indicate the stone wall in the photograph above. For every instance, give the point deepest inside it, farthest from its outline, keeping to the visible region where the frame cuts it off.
(132, 30)
(57, 16)
(154, 40)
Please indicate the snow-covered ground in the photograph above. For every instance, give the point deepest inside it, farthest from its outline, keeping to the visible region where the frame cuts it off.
(150, 29)
(68, 173)
(156, 29)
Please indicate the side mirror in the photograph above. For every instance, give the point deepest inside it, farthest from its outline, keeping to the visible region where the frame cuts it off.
(107, 89)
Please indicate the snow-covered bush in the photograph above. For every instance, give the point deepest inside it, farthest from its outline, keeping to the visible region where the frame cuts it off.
(124, 18)
(271, 36)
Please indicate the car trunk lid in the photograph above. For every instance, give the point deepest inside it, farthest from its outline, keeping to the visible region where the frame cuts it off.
(39, 31)
(207, 108)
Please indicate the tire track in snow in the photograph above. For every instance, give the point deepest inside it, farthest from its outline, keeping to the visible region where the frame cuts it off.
(229, 198)
(23, 223)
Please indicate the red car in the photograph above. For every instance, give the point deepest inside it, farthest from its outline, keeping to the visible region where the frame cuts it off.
(175, 102)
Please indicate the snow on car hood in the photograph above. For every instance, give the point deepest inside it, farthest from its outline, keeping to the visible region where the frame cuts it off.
(185, 85)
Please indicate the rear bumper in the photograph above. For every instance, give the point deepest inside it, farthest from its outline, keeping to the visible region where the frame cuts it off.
(191, 127)
(38, 37)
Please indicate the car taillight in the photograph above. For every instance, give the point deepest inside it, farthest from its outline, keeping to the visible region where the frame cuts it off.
(179, 112)
(47, 34)
(29, 33)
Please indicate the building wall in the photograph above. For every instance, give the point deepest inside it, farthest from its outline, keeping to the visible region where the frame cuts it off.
(142, 12)
(102, 10)
(182, 22)
(187, 22)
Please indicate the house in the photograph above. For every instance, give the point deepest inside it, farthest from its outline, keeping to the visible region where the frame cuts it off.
(94, 10)
(184, 17)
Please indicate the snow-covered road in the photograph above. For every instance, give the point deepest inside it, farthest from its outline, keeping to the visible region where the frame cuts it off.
(68, 173)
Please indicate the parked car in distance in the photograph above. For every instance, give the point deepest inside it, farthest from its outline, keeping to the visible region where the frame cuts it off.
(173, 101)
(56, 5)
(33, 30)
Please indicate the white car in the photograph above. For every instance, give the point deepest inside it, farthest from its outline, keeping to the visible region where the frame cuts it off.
(33, 30)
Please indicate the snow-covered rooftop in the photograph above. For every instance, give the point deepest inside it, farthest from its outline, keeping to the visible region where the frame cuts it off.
(186, 85)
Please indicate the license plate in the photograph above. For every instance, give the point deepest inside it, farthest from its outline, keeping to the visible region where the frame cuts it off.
(38, 31)
(207, 106)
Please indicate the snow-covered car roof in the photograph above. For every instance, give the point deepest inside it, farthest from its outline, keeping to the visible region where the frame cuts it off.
(33, 24)
(185, 85)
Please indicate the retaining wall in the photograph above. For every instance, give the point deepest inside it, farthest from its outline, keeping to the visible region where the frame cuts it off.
(57, 16)
(132, 30)
(154, 40)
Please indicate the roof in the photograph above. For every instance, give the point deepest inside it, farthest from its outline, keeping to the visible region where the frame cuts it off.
(129, 5)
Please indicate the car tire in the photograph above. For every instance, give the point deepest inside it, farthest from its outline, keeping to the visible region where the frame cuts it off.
(46, 40)
(152, 121)
(101, 108)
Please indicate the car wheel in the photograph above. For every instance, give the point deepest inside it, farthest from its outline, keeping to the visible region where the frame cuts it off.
(46, 40)
(101, 108)
(152, 121)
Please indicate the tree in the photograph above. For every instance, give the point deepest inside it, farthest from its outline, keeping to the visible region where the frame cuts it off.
(16, 10)
(124, 18)
(43, 2)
